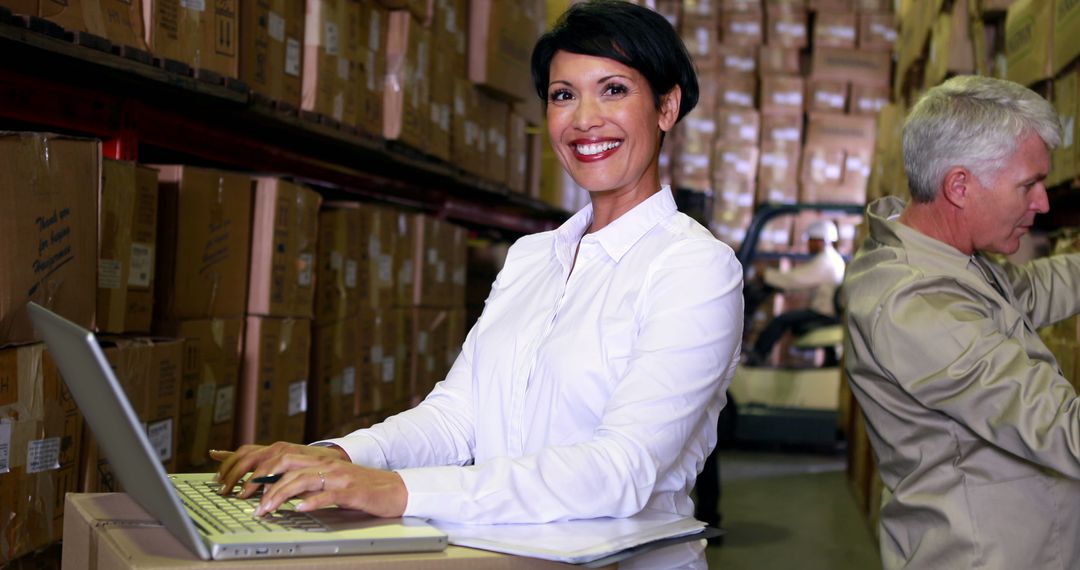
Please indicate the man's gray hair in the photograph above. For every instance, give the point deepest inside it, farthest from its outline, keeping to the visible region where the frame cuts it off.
(974, 122)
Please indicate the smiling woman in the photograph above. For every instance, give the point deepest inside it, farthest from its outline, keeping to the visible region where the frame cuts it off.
(591, 384)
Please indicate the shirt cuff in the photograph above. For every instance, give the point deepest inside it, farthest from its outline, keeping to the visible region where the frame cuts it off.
(432, 492)
(361, 448)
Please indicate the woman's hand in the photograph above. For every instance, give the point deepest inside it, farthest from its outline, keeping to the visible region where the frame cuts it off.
(262, 460)
(320, 476)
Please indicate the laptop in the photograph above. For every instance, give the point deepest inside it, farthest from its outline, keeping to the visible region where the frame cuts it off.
(211, 526)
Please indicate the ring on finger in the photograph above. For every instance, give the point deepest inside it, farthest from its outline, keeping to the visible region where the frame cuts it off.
(322, 481)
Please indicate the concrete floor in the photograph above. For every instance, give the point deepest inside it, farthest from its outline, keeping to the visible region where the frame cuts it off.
(790, 511)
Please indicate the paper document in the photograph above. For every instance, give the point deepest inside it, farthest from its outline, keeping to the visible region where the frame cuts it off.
(577, 541)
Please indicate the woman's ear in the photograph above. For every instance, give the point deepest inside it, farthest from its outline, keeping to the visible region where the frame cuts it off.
(669, 108)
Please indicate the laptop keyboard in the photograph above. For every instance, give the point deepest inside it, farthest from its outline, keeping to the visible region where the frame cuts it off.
(233, 515)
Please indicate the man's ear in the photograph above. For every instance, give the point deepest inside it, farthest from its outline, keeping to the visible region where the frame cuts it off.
(669, 108)
(957, 186)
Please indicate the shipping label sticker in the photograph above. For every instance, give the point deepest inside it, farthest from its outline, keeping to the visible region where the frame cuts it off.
(142, 265)
(292, 57)
(197, 5)
(223, 404)
(108, 275)
(43, 455)
(386, 272)
(348, 380)
(331, 39)
(160, 434)
(5, 446)
(204, 398)
(388, 370)
(376, 353)
(275, 26)
(350, 273)
(297, 397)
(306, 264)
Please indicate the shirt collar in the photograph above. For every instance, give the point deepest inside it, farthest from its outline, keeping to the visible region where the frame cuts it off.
(620, 235)
(886, 228)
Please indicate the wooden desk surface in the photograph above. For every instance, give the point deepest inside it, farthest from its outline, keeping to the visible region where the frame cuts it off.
(109, 531)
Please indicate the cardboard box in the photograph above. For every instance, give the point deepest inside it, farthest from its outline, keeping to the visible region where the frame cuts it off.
(1066, 40)
(371, 73)
(127, 235)
(441, 98)
(111, 532)
(41, 435)
(737, 124)
(406, 91)
(868, 99)
(382, 369)
(703, 8)
(736, 90)
(382, 248)
(787, 26)
(284, 231)
(149, 370)
(405, 247)
(827, 95)
(123, 22)
(464, 146)
(735, 59)
(951, 50)
(835, 29)
(211, 374)
(778, 173)
(694, 150)
(501, 39)
(49, 185)
(271, 48)
(1064, 165)
(517, 157)
(778, 60)
(326, 71)
(860, 67)
(430, 337)
(204, 237)
(877, 31)
(273, 391)
(494, 116)
(342, 275)
(1029, 41)
(338, 376)
(844, 131)
(200, 34)
(701, 36)
(741, 28)
(734, 170)
(782, 94)
(782, 129)
(874, 6)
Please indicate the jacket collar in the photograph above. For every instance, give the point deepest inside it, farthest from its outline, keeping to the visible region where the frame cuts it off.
(921, 249)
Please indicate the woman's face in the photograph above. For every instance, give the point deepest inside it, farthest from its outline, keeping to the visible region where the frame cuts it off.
(604, 125)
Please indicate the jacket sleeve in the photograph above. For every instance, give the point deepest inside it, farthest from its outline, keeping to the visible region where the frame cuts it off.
(1048, 289)
(683, 356)
(970, 370)
(805, 276)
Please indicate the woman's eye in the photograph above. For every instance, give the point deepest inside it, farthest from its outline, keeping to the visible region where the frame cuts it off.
(559, 95)
(615, 89)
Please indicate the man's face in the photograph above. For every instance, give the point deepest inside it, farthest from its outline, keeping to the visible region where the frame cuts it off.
(1005, 208)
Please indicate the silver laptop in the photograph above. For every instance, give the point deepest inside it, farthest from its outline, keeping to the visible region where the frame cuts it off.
(211, 526)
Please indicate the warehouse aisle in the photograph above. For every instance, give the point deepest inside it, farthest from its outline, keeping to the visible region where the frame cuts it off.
(790, 511)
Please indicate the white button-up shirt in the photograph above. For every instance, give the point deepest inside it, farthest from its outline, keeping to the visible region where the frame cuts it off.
(587, 388)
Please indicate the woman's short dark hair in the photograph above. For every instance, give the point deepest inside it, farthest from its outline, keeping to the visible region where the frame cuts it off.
(630, 34)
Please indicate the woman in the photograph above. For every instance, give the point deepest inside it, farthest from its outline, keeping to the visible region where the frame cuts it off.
(591, 384)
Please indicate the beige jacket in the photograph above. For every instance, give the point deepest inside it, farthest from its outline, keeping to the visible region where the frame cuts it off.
(974, 427)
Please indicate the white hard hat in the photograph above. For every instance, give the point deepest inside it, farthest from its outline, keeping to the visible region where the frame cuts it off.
(823, 230)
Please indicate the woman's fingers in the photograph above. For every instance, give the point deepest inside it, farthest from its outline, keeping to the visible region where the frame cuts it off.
(322, 484)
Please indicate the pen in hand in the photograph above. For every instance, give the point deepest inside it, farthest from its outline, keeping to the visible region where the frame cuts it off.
(267, 479)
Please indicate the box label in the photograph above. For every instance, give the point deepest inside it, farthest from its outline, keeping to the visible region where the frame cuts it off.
(142, 265)
(307, 265)
(109, 273)
(330, 35)
(224, 404)
(5, 446)
(43, 455)
(275, 26)
(160, 434)
(348, 380)
(385, 269)
(205, 396)
(292, 57)
(376, 353)
(297, 397)
(350, 273)
(422, 341)
(373, 35)
(388, 370)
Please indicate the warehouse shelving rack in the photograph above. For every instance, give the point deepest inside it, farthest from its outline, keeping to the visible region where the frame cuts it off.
(153, 110)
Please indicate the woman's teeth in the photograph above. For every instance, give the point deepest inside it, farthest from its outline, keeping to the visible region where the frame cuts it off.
(596, 148)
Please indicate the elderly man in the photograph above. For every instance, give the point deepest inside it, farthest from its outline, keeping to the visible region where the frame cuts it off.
(975, 429)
